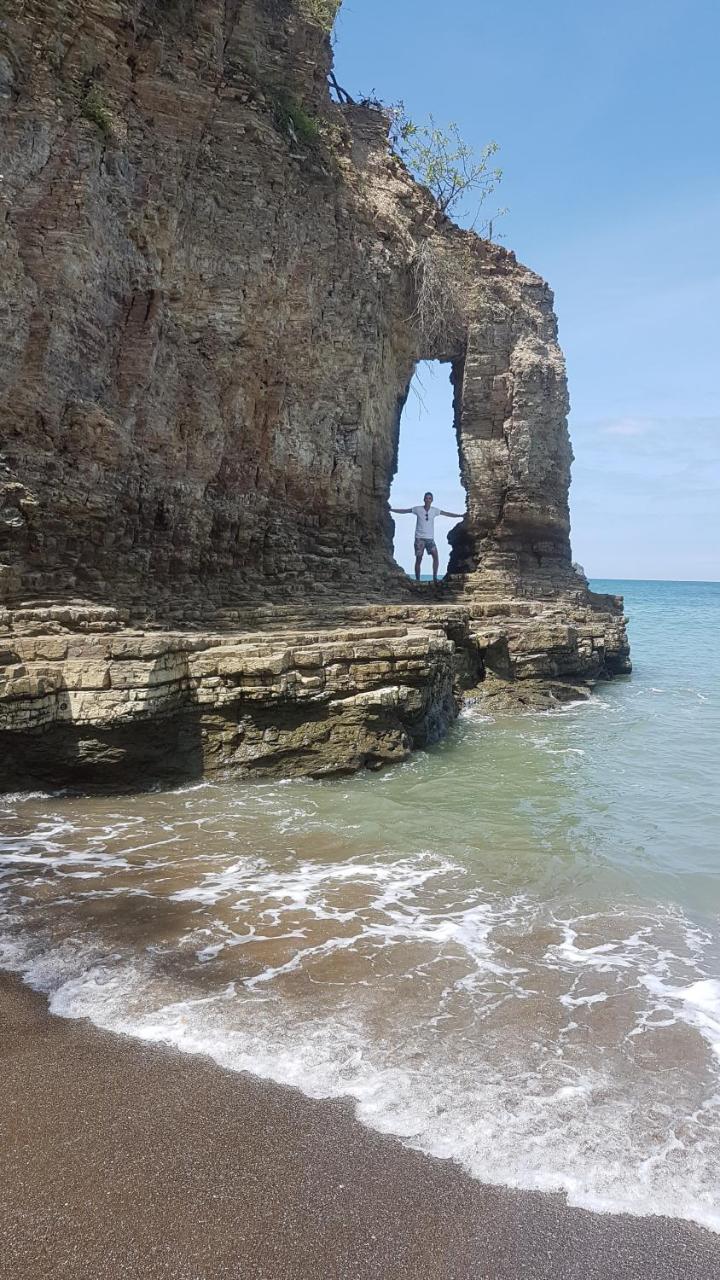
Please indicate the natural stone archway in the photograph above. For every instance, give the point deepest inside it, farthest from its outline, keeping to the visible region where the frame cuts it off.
(428, 458)
(495, 322)
(474, 306)
(208, 325)
(202, 405)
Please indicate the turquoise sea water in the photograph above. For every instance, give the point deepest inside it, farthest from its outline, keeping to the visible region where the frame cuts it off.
(506, 951)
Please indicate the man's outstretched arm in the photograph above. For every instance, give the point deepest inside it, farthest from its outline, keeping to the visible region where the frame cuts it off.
(455, 515)
(402, 511)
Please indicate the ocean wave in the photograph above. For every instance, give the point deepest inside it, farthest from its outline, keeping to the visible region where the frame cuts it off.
(505, 951)
(480, 1038)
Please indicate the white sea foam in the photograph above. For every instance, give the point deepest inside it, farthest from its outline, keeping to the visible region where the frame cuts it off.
(573, 1135)
(697, 1004)
(515, 1105)
(11, 799)
(478, 948)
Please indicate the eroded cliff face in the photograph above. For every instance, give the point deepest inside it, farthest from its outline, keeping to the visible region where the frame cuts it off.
(204, 341)
(217, 284)
(210, 320)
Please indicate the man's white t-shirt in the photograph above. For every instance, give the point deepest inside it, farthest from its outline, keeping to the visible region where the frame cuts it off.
(425, 521)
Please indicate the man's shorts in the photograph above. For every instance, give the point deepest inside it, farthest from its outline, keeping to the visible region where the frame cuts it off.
(424, 544)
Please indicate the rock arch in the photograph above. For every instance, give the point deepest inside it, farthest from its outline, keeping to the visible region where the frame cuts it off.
(469, 303)
(227, 427)
(208, 325)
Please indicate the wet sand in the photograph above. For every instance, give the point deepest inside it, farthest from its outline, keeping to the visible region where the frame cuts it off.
(121, 1159)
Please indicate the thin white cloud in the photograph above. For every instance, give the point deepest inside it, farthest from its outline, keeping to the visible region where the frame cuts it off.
(628, 427)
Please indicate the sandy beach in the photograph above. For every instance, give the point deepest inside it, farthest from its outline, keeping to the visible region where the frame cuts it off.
(122, 1159)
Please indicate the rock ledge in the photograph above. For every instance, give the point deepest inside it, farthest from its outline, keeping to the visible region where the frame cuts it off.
(110, 706)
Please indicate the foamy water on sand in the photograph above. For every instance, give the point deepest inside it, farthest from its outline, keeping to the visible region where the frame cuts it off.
(505, 951)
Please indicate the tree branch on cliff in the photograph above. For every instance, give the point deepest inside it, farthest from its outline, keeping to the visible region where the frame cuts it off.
(443, 162)
(342, 94)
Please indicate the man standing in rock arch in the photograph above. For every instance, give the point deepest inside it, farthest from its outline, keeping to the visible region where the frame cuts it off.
(425, 517)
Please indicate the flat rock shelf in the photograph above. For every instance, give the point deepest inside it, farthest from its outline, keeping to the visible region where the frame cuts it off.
(88, 700)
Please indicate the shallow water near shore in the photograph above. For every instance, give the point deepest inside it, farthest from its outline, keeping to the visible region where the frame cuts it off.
(506, 950)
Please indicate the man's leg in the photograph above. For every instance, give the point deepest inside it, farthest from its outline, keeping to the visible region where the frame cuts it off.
(436, 563)
(418, 559)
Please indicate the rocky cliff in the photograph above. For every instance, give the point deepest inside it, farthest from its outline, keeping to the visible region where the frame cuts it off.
(217, 285)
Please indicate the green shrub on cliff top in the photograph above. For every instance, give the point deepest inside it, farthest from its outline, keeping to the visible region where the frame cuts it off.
(321, 12)
(443, 162)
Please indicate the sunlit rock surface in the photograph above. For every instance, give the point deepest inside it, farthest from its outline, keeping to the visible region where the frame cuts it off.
(210, 318)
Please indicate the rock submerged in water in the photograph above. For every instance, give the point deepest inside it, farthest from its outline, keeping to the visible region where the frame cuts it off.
(204, 366)
(111, 707)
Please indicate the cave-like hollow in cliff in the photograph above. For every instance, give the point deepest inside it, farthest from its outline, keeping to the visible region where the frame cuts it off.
(428, 458)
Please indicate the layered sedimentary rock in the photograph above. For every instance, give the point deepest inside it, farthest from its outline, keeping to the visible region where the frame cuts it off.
(90, 700)
(217, 285)
(279, 703)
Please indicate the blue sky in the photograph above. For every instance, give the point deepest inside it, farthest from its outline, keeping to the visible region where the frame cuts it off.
(608, 118)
